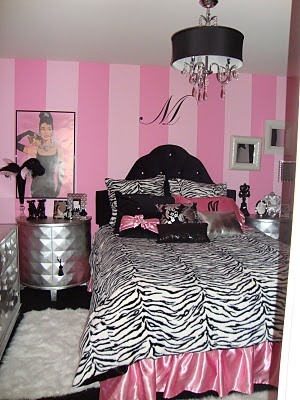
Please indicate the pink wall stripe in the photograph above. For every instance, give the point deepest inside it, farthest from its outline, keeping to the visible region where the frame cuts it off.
(92, 127)
(30, 94)
(154, 92)
(62, 95)
(30, 85)
(123, 123)
(211, 116)
(188, 114)
(7, 148)
(237, 123)
(263, 108)
(62, 86)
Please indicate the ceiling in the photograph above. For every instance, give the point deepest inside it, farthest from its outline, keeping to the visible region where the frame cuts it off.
(138, 31)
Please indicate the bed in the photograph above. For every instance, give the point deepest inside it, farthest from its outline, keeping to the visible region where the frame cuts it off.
(195, 305)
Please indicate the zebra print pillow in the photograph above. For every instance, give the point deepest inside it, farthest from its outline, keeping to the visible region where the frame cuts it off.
(153, 186)
(196, 189)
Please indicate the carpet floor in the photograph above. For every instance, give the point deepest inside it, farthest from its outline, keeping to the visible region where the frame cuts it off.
(45, 349)
(79, 298)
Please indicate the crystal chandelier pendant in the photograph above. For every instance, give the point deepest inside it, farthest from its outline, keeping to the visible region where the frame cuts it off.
(206, 50)
(194, 92)
(223, 92)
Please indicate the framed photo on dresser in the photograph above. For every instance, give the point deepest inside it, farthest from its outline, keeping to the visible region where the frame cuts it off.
(48, 136)
(59, 208)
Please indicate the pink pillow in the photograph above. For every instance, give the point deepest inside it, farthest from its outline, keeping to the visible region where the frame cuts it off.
(221, 203)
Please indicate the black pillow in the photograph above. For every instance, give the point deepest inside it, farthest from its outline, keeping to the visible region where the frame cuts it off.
(135, 204)
(182, 233)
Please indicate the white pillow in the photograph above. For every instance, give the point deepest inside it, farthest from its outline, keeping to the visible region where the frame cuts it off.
(196, 189)
(154, 186)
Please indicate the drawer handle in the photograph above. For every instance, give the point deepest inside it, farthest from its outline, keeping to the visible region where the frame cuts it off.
(60, 268)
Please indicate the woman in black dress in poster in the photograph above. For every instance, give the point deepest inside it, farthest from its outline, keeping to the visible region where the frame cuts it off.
(47, 151)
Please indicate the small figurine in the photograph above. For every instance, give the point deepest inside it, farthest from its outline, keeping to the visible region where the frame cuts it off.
(32, 210)
(83, 213)
(243, 193)
(68, 214)
(41, 209)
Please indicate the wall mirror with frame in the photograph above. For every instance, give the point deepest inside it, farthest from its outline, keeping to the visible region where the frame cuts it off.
(274, 137)
(245, 153)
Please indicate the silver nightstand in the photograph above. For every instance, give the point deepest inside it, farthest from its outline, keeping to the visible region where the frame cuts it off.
(54, 253)
(278, 228)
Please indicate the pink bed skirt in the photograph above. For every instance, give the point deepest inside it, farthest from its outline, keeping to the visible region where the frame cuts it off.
(218, 370)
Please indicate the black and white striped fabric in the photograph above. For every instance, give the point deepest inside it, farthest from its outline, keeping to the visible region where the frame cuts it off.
(154, 186)
(152, 299)
(189, 188)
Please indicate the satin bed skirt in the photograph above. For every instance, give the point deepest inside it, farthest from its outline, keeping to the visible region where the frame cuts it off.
(220, 370)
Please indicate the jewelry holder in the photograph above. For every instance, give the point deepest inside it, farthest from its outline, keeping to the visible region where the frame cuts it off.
(244, 193)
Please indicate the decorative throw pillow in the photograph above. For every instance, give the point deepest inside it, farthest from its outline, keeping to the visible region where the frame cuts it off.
(221, 203)
(142, 186)
(134, 204)
(195, 189)
(182, 233)
(220, 223)
(137, 226)
(178, 213)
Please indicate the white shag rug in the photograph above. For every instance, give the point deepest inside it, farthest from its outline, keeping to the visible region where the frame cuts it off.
(43, 355)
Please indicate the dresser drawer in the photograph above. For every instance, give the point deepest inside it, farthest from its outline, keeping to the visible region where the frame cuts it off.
(9, 283)
(9, 303)
(8, 251)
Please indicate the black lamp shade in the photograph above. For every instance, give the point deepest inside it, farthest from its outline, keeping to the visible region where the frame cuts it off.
(219, 43)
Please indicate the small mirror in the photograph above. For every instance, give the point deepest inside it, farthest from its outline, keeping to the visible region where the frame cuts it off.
(274, 137)
(245, 153)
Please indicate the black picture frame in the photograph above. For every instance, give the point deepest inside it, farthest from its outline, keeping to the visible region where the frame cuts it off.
(48, 136)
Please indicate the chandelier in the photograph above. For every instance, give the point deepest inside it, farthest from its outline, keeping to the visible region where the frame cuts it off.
(207, 49)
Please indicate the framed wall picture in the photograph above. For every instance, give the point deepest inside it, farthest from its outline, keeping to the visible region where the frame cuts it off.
(48, 136)
(245, 153)
(274, 137)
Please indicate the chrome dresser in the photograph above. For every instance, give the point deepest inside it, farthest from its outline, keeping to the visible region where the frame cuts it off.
(54, 253)
(278, 228)
(9, 283)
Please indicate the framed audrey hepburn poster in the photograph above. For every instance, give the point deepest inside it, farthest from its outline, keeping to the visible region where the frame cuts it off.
(48, 136)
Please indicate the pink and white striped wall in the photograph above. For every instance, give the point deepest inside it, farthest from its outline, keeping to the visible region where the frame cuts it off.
(109, 100)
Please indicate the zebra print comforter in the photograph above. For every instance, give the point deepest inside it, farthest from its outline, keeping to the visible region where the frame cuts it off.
(152, 299)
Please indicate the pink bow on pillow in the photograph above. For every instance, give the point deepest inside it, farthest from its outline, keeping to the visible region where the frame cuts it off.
(128, 222)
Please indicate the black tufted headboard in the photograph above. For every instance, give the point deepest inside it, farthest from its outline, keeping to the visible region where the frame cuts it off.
(170, 160)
